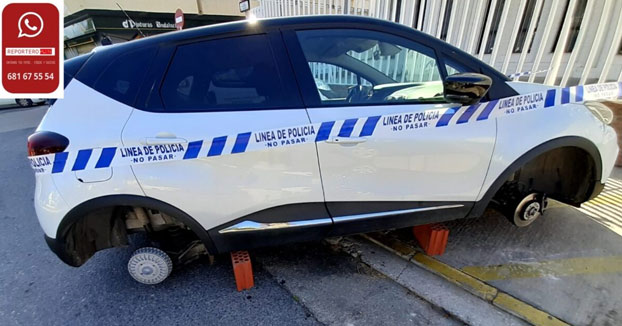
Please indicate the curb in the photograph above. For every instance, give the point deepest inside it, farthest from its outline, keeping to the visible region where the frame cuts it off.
(480, 289)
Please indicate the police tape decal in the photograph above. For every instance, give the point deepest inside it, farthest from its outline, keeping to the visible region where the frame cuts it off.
(376, 126)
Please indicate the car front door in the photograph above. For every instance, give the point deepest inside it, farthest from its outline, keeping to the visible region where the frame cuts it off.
(393, 148)
(211, 100)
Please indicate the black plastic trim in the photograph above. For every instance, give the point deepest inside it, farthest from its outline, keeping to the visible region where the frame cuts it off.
(436, 213)
(568, 141)
(58, 247)
(286, 213)
(232, 241)
(83, 209)
(225, 242)
(596, 190)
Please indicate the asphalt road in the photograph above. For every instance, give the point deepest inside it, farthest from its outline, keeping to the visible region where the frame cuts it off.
(36, 288)
(319, 286)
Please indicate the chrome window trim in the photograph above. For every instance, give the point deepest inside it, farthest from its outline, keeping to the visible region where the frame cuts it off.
(348, 218)
(246, 226)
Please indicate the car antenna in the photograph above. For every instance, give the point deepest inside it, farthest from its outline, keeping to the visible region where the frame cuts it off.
(128, 17)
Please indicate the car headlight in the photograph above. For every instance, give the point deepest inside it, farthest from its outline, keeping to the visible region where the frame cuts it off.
(601, 111)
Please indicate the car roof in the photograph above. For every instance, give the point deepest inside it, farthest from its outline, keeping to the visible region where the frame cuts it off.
(258, 26)
(263, 25)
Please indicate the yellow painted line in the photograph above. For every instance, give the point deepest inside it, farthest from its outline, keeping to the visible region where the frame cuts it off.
(606, 209)
(457, 277)
(391, 244)
(557, 268)
(525, 311)
(474, 285)
(615, 208)
(613, 199)
(451, 274)
(605, 212)
(613, 183)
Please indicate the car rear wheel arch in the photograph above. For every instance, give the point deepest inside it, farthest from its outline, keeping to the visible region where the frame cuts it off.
(62, 245)
(569, 146)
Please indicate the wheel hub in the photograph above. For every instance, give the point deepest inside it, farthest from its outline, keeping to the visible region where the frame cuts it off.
(150, 265)
(146, 270)
(529, 209)
(532, 211)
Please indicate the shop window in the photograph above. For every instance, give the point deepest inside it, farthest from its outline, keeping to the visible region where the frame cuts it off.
(575, 26)
(416, 12)
(446, 19)
(494, 28)
(398, 10)
(525, 23)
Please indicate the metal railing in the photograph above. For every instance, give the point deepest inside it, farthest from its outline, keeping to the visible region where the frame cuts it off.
(562, 42)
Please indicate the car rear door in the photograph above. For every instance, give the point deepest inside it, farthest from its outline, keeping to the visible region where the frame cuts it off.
(392, 153)
(209, 103)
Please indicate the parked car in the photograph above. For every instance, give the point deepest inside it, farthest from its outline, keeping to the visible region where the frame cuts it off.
(249, 134)
(23, 102)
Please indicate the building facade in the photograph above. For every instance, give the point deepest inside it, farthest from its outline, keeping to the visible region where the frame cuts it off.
(90, 23)
(559, 42)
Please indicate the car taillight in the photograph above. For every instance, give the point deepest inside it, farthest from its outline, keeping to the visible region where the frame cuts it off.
(46, 142)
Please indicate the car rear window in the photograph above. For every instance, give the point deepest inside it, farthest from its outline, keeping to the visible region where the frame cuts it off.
(236, 73)
(117, 72)
(71, 66)
(74, 64)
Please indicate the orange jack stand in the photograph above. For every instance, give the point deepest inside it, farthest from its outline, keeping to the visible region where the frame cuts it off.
(432, 238)
(242, 270)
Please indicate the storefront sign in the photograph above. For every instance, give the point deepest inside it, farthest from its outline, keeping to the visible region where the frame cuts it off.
(129, 23)
(179, 19)
(245, 5)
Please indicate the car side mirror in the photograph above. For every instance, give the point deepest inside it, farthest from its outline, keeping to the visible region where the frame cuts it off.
(466, 88)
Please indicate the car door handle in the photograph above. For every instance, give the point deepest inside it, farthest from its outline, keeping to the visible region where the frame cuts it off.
(346, 140)
(164, 138)
(164, 141)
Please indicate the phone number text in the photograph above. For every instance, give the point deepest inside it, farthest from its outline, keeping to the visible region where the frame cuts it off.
(30, 76)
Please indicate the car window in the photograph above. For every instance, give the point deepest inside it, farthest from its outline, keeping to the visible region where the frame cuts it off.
(226, 74)
(116, 72)
(71, 66)
(453, 68)
(397, 70)
(333, 82)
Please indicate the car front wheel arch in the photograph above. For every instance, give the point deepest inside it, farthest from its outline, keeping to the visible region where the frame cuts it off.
(568, 169)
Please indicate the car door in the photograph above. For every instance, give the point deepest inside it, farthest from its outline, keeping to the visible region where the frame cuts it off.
(211, 99)
(392, 153)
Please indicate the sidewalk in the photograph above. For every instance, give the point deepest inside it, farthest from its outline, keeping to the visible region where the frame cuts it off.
(567, 264)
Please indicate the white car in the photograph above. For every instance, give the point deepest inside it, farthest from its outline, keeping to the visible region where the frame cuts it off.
(23, 102)
(217, 139)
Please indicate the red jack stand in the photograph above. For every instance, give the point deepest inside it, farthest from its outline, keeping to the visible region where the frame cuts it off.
(432, 238)
(242, 270)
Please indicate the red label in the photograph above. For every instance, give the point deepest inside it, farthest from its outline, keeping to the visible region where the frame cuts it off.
(179, 19)
(30, 49)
